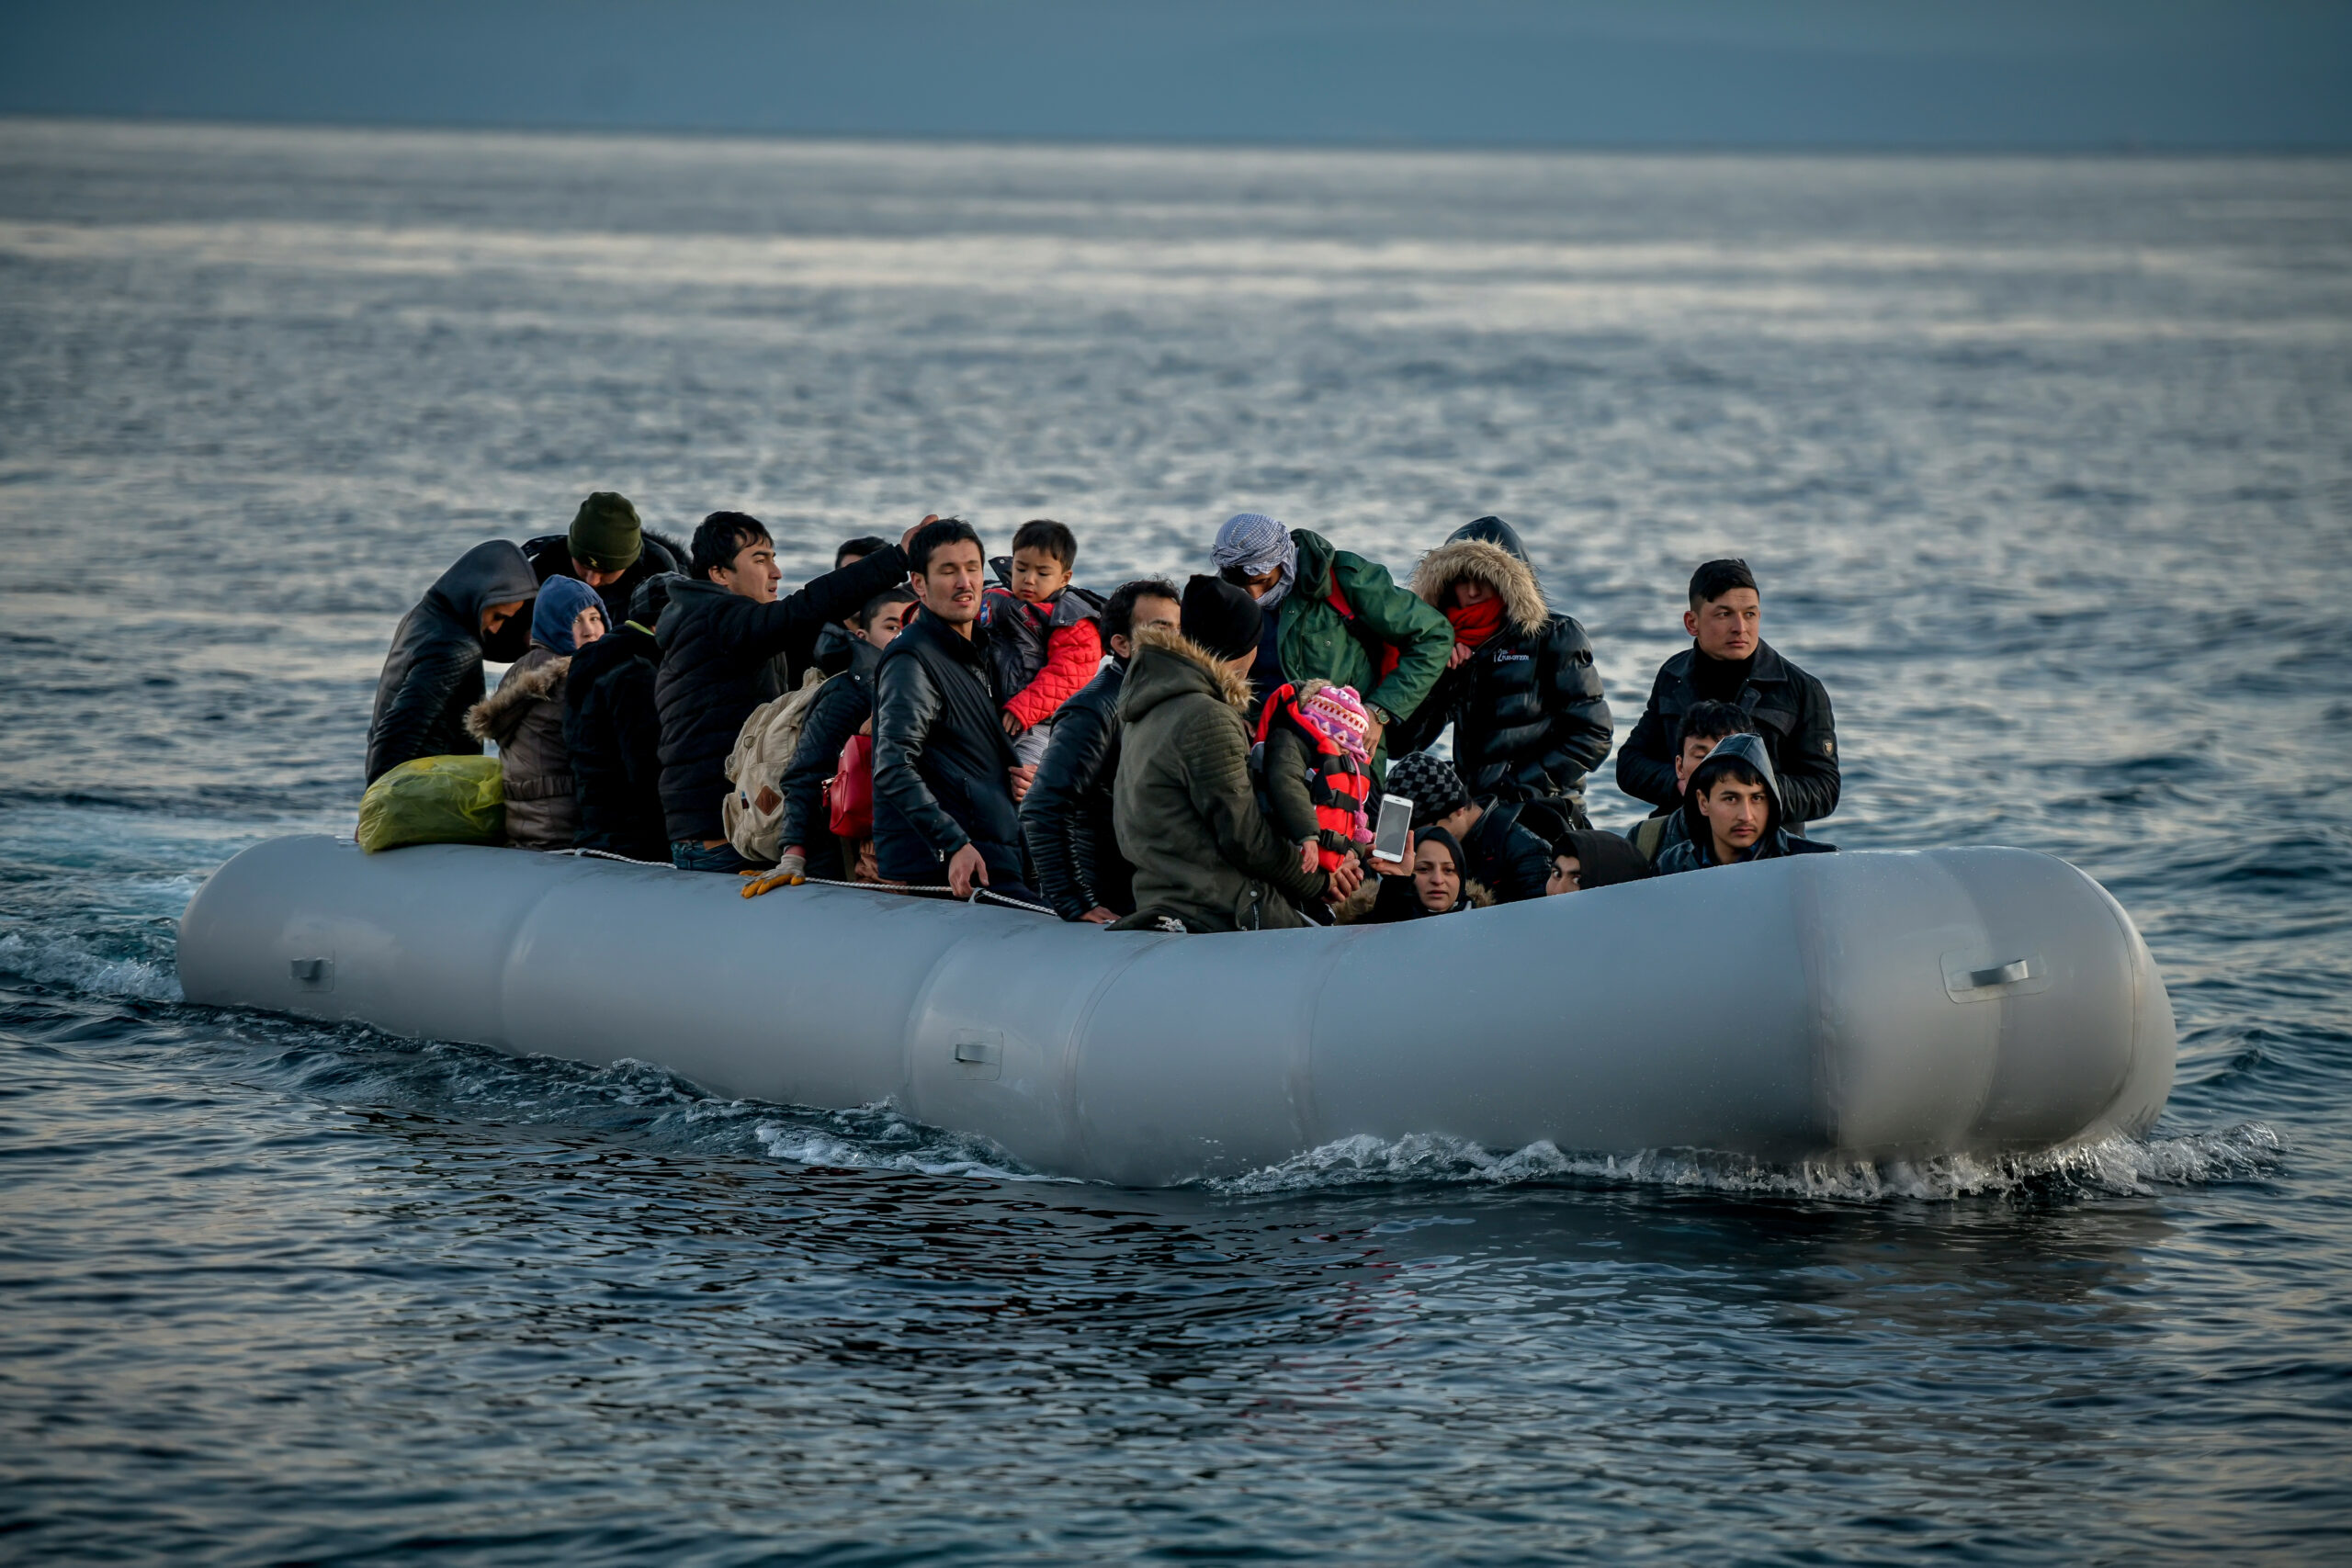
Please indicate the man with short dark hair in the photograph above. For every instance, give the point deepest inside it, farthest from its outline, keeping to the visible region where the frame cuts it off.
(1067, 817)
(724, 628)
(1702, 725)
(608, 549)
(1728, 662)
(1734, 811)
(944, 777)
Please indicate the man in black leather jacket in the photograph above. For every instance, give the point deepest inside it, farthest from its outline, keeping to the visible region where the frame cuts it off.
(944, 777)
(1065, 818)
(1729, 661)
(1520, 689)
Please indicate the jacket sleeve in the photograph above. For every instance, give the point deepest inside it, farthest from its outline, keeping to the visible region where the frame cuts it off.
(1577, 728)
(403, 729)
(1286, 792)
(1216, 772)
(832, 718)
(1808, 761)
(1072, 654)
(906, 704)
(1530, 860)
(1053, 819)
(790, 625)
(1402, 619)
(636, 723)
(1646, 762)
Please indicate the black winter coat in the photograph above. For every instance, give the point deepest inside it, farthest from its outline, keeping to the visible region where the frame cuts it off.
(941, 759)
(613, 733)
(550, 556)
(715, 653)
(433, 673)
(1528, 714)
(1789, 710)
(1065, 818)
(842, 704)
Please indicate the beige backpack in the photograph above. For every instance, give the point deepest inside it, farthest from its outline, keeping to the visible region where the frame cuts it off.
(754, 811)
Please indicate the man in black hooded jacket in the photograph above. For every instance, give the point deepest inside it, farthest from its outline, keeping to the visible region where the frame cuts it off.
(478, 609)
(1729, 661)
(719, 639)
(1733, 812)
(1066, 818)
(614, 732)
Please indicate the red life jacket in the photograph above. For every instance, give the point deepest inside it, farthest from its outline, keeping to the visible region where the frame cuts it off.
(1336, 784)
(849, 797)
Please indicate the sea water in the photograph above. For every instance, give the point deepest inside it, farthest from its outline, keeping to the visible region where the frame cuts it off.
(2046, 467)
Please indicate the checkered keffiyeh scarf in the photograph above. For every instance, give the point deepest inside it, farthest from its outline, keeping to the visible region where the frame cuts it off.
(1256, 544)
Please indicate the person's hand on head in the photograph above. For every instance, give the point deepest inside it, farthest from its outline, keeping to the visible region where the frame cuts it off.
(1374, 730)
(907, 540)
(964, 868)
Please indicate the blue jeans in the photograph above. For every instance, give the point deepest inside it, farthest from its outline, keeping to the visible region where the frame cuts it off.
(687, 854)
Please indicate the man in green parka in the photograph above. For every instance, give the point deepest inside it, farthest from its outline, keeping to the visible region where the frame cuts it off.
(1333, 615)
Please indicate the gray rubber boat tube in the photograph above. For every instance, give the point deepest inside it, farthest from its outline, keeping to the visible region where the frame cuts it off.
(1853, 1006)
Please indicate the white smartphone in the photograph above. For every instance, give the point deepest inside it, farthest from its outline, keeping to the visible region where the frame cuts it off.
(1395, 827)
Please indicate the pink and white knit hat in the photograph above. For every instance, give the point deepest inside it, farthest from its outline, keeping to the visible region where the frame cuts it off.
(1339, 713)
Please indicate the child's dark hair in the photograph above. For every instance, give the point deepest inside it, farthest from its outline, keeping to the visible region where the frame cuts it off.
(1714, 770)
(1119, 609)
(1044, 534)
(858, 550)
(1711, 721)
(901, 594)
(1717, 577)
(933, 535)
(720, 538)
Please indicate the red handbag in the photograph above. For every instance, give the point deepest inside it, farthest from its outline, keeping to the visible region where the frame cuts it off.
(850, 795)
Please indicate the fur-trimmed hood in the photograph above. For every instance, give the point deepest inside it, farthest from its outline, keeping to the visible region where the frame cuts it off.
(1478, 562)
(1176, 665)
(537, 676)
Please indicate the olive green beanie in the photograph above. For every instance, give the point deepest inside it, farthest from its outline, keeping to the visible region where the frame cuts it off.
(604, 533)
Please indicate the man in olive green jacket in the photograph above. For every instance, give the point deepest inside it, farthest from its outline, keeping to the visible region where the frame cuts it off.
(1386, 642)
(1183, 806)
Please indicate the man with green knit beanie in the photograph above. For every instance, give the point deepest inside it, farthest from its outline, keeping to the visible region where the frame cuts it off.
(607, 549)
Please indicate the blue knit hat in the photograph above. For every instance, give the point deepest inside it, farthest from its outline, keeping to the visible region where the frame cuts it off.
(560, 601)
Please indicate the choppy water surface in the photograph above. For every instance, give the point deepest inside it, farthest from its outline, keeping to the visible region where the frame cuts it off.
(2046, 466)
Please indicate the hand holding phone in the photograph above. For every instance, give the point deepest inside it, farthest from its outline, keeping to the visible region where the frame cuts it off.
(1392, 839)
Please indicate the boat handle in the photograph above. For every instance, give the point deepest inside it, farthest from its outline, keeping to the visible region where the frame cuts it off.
(2008, 974)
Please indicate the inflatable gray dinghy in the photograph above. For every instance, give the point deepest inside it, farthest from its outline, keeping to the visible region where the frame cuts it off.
(1857, 1006)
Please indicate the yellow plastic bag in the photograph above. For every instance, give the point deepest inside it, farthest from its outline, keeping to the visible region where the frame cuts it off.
(435, 800)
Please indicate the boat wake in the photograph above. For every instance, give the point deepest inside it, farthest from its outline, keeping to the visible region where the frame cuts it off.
(2114, 1167)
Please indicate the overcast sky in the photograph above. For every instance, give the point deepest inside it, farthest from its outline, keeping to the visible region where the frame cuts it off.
(2059, 73)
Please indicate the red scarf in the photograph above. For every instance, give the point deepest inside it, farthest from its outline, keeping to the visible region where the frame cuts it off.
(1474, 626)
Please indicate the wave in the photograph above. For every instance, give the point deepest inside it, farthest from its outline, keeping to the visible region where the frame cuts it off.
(73, 967)
(2113, 1167)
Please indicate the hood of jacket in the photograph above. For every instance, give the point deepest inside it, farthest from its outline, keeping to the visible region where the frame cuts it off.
(494, 572)
(1501, 565)
(537, 676)
(1166, 665)
(1604, 860)
(1748, 749)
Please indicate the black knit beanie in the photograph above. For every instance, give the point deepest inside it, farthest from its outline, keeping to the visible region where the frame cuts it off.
(1222, 619)
(1429, 782)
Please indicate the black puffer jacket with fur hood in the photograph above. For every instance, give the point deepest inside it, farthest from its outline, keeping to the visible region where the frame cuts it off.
(1528, 715)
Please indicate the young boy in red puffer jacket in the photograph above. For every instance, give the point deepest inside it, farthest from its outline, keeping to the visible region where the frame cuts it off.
(1045, 638)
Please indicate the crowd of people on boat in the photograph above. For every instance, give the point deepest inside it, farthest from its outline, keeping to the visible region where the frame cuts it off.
(1204, 757)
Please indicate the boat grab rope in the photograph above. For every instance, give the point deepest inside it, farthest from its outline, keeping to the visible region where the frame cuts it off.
(758, 882)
